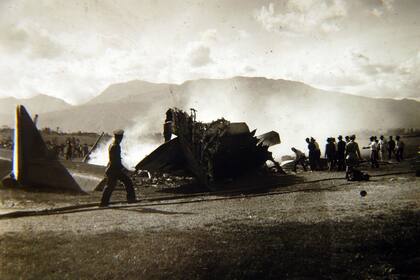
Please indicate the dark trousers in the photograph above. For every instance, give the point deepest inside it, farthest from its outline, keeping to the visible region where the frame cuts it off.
(331, 163)
(341, 165)
(312, 161)
(110, 186)
(318, 159)
(390, 152)
(399, 154)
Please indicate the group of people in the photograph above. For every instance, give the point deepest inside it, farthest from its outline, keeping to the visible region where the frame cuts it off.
(345, 154)
(71, 150)
(341, 155)
(380, 148)
(74, 149)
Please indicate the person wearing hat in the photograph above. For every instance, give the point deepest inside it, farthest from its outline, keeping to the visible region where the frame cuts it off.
(382, 145)
(391, 147)
(341, 148)
(330, 153)
(352, 155)
(115, 172)
(374, 148)
(311, 148)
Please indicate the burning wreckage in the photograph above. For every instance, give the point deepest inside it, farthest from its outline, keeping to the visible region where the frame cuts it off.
(211, 152)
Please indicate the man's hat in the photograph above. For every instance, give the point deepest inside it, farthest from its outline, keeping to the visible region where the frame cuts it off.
(119, 132)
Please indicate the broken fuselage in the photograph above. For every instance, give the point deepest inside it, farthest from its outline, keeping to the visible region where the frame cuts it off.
(212, 152)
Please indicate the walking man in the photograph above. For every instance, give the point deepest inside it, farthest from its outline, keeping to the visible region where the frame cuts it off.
(115, 172)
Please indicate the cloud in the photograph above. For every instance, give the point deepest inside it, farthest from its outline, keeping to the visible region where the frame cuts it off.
(303, 16)
(388, 79)
(209, 36)
(377, 12)
(29, 40)
(372, 69)
(249, 69)
(198, 55)
(12, 38)
(243, 34)
(388, 4)
(383, 7)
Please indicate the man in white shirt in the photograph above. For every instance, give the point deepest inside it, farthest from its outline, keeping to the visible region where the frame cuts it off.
(382, 147)
(374, 149)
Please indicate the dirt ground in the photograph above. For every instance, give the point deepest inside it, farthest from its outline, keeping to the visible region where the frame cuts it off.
(308, 225)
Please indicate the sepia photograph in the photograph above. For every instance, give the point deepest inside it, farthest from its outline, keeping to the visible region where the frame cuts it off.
(209, 139)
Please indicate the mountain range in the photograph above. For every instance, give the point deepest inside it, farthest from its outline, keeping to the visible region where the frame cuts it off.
(263, 103)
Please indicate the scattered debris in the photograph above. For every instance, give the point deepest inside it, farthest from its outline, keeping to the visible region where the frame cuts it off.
(211, 152)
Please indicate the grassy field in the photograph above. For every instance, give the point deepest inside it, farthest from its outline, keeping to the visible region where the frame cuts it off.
(385, 247)
(328, 232)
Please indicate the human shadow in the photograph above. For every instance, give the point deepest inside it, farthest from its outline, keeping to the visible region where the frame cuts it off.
(89, 208)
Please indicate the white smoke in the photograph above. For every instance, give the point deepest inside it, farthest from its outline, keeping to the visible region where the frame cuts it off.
(136, 145)
(262, 107)
(265, 112)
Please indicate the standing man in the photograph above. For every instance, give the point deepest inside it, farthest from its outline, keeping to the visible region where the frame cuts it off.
(330, 153)
(399, 149)
(352, 156)
(311, 148)
(382, 147)
(373, 146)
(69, 150)
(317, 154)
(115, 171)
(341, 148)
(391, 147)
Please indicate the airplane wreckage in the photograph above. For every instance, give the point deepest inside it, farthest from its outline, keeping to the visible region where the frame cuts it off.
(210, 152)
(35, 166)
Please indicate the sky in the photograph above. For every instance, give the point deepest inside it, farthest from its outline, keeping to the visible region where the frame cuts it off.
(75, 49)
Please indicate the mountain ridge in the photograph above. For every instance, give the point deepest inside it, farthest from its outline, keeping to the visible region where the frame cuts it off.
(252, 99)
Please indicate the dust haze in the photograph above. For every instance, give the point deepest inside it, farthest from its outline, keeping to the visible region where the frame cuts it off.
(294, 110)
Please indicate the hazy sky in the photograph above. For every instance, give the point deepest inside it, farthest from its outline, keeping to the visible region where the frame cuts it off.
(75, 49)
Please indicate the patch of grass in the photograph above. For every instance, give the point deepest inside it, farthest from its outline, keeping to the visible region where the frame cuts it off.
(368, 248)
